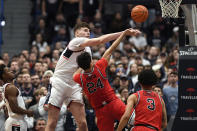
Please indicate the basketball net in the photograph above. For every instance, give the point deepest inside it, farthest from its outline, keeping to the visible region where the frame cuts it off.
(170, 8)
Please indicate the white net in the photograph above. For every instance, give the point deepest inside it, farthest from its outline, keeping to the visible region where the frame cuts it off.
(170, 8)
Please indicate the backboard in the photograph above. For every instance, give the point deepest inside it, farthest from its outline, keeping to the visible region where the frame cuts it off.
(189, 8)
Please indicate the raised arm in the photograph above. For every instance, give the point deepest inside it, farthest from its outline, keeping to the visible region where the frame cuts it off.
(101, 40)
(126, 116)
(11, 94)
(109, 51)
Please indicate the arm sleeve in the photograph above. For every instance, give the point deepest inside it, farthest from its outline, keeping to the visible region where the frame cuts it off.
(75, 43)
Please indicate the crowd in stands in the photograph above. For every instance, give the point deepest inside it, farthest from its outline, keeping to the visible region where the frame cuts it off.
(51, 30)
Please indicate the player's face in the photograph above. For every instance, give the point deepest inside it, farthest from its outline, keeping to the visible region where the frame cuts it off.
(157, 90)
(8, 75)
(83, 32)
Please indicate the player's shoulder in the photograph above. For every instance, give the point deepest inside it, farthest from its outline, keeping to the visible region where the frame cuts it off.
(101, 61)
(77, 40)
(11, 90)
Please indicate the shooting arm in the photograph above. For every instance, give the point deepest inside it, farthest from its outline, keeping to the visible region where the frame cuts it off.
(108, 52)
(101, 40)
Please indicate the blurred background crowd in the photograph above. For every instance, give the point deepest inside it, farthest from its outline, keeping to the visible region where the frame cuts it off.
(51, 29)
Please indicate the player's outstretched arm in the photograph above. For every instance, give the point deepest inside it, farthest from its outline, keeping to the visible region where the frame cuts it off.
(126, 116)
(11, 94)
(102, 39)
(109, 51)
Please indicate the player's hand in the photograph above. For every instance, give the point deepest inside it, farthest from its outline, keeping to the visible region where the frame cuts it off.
(30, 113)
(46, 107)
(132, 32)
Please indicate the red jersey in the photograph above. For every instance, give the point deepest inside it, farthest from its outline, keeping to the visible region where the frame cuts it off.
(95, 85)
(148, 109)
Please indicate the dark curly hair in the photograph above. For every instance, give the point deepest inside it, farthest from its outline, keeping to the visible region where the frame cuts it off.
(2, 66)
(147, 78)
(84, 60)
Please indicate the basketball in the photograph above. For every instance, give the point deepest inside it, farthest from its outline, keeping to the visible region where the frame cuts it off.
(139, 13)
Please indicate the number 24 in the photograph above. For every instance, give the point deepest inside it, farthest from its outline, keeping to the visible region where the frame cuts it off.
(91, 85)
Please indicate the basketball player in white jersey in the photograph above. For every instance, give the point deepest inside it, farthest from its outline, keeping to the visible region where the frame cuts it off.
(14, 102)
(64, 89)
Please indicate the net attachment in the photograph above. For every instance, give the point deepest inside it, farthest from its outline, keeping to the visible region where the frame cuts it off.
(170, 8)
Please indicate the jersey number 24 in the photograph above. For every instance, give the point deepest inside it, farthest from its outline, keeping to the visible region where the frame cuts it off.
(93, 86)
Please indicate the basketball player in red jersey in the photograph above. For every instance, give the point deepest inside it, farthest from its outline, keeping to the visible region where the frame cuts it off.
(150, 112)
(96, 87)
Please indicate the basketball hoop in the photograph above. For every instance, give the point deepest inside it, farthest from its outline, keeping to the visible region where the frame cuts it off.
(170, 8)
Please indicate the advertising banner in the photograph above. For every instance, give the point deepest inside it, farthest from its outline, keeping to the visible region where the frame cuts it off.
(186, 116)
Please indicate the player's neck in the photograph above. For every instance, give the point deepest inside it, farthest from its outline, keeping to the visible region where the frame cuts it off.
(89, 70)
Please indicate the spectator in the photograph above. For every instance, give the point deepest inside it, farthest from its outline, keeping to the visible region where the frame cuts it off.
(38, 69)
(6, 58)
(55, 55)
(35, 81)
(171, 95)
(61, 36)
(139, 42)
(14, 67)
(26, 89)
(40, 43)
(40, 124)
(34, 104)
(124, 93)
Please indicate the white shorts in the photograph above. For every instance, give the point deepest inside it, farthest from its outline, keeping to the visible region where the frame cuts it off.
(63, 92)
(13, 124)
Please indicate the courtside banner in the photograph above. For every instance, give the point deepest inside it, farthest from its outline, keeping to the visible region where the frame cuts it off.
(186, 116)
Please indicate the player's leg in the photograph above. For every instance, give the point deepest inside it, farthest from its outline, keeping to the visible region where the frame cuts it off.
(117, 108)
(55, 102)
(76, 107)
(104, 121)
(78, 111)
(53, 116)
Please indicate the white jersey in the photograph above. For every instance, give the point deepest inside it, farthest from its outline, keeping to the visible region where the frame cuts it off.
(67, 64)
(20, 102)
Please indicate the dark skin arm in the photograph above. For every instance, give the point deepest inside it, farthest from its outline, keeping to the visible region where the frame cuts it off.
(11, 93)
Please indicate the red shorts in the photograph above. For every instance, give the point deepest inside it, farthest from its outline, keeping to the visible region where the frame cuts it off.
(108, 114)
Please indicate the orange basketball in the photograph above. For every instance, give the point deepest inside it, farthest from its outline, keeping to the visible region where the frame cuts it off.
(139, 13)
